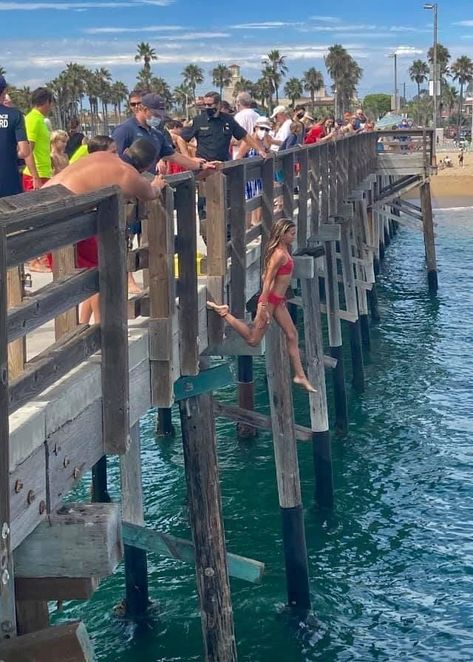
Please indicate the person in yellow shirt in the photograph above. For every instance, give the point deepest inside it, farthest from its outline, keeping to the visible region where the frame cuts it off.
(95, 144)
(38, 136)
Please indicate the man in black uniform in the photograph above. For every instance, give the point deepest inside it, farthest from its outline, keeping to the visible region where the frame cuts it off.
(213, 131)
(13, 145)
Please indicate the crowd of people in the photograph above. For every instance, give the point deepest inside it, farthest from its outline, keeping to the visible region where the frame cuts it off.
(32, 155)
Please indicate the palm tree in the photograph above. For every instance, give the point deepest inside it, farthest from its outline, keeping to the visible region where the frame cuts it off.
(275, 69)
(443, 58)
(263, 91)
(419, 73)
(104, 78)
(119, 93)
(92, 88)
(193, 75)
(244, 85)
(313, 82)
(161, 87)
(449, 98)
(2, 71)
(345, 74)
(221, 77)
(21, 98)
(293, 90)
(462, 72)
(145, 54)
(181, 95)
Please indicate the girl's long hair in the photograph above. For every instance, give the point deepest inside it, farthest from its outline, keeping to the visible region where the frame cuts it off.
(278, 230)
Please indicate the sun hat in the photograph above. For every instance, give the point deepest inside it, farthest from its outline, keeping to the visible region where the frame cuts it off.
(277, 110)
(263, 122)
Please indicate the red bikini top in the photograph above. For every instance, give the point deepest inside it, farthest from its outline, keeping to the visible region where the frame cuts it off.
(286, 268)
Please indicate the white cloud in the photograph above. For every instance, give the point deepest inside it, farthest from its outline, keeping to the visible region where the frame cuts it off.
(407, 51)
(465, 24)
(149, 28)
(265, 25)
(325, 19)
(64, 6)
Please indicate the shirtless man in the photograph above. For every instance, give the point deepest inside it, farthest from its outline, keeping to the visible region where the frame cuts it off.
(99, 170)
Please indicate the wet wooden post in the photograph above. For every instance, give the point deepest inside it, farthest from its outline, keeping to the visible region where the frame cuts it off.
(358, 369)
(205, 515)
(63, 264)
(99, 488)
(333, 302)
(7, 591)
(287, 469)
(236, 194)
(322, 452)
(362, 254)
(165, 427)
(136, 568)
(429, 237)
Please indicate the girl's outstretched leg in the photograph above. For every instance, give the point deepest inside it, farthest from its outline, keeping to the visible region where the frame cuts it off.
(282, 317)
(252, 334)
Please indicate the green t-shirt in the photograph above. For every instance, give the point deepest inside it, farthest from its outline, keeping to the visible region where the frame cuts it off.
(80, 152)
(37, 132)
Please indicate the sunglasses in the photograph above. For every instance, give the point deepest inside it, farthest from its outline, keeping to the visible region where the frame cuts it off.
(263, 128)
(134, 104)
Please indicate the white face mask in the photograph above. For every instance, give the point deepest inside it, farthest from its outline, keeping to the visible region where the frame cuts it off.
(260, 133)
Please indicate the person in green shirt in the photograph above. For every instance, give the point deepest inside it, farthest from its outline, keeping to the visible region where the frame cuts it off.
(38, 136)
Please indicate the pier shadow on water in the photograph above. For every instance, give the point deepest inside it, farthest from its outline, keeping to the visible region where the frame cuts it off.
(391, 569)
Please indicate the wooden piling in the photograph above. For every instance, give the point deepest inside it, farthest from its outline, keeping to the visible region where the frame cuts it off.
(99, 489)
(165, 428)
(429, 237)
(322, 452)
(205, 514)
(287, 469)
(246, 395)
(136, 568)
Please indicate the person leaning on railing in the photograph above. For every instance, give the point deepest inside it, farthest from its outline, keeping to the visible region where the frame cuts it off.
(100, 170)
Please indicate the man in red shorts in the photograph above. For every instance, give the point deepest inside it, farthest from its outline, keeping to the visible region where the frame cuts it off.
(100, 170)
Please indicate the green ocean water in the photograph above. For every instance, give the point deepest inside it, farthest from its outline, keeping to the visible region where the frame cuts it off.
(392, 569)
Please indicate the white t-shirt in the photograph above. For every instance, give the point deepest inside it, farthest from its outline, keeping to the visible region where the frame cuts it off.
(281, 134)
(247, 119)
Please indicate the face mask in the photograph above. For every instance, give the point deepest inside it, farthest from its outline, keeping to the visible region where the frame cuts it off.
(154, 122)
(210, 111)
(260, 133)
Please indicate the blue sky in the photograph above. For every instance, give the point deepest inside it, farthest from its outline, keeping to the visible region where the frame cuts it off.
(40, 37)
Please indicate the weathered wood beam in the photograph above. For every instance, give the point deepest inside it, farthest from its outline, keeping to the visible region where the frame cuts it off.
(63, 643)
(89, 532)
(55, 588)
(169, 546)
(255, 419)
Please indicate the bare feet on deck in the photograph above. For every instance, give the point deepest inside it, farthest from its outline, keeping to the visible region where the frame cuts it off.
(222, 310)
(304, 382)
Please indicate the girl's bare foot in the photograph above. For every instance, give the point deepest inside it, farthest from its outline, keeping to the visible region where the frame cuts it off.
(221, 310)
(304, 382)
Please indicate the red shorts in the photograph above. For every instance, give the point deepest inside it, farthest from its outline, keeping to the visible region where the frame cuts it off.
(27, 181)
(87, 255)
(274, 299)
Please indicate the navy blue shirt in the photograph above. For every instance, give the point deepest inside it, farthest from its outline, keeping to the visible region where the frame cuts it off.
(12, 131)
(213, 135)
(129, 131)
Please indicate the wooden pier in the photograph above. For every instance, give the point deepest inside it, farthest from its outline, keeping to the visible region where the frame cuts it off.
(80, 399)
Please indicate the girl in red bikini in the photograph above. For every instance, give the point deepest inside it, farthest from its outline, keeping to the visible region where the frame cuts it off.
(277, 273)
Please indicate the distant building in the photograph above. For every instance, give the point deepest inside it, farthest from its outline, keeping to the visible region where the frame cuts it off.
(229, 90)
(321, 99)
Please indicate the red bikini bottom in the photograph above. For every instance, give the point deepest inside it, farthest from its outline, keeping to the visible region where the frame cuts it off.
(274, 299)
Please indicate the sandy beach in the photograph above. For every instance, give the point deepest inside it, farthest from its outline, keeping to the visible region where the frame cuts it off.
(454, 186)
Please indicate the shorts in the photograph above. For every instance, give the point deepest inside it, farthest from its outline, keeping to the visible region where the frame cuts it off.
(27, 181)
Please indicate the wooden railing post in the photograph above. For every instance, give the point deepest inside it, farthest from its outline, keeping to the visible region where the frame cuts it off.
(7, 591)
(187, 256)
(216, 251)
(162, 298)
(16, 349)
(114, 325)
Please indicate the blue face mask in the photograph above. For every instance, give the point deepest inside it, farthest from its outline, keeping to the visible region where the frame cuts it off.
(154, 122)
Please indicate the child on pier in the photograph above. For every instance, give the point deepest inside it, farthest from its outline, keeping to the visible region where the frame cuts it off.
(277, 273)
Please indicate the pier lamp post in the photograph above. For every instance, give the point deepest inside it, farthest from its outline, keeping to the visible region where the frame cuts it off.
(435, 78)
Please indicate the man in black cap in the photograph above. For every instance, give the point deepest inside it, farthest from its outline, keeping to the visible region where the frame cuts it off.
(13, 145)
(148, 122)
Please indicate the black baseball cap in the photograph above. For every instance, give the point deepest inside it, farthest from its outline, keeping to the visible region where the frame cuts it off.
(155, 103)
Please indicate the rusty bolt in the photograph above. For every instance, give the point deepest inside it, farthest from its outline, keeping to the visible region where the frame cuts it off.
(42, 507)
(31, 497)
(18, 486)
(66, 462)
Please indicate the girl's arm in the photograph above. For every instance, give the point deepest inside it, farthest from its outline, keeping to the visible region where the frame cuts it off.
(275, 262)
